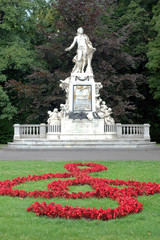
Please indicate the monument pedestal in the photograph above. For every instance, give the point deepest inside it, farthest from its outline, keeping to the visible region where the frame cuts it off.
(84, 126)
(81, 130)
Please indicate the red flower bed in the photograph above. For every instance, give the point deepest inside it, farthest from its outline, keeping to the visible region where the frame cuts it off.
(101, 188)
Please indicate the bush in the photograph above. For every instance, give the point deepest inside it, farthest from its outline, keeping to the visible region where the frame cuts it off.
(7, 131)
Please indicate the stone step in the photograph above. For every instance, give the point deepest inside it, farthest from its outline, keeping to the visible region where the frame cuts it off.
(36, 144)
(106, 141)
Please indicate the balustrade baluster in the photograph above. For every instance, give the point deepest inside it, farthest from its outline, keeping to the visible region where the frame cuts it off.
(132, 130)
(36, 130)
(137, 130)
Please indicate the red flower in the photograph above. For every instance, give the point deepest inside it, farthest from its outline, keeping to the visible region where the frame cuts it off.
(101, 189)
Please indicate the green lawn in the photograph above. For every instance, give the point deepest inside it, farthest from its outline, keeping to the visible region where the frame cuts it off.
(16, 223)
(2, 145)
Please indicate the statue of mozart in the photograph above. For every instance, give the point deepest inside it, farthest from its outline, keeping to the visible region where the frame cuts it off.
(85, 52)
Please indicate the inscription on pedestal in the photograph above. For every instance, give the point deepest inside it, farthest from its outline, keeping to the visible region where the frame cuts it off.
(82, 98)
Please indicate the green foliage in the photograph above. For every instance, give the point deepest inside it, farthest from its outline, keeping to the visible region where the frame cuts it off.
(18, 36)
(139, 20)
(6, 132)
(154, 44)
(17, 54)
(7, 111)
(146, 4)
(154, 57)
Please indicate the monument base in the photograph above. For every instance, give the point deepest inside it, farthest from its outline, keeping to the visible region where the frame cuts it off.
(80, 144)
(81, 130)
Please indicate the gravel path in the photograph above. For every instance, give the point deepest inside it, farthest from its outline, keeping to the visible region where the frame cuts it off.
(81, 155)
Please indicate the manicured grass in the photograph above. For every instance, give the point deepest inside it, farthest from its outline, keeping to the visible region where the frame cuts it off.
(2, 145)
(18, 224)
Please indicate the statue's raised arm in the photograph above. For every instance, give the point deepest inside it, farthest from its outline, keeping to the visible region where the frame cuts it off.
(85, 52)
(72, 45)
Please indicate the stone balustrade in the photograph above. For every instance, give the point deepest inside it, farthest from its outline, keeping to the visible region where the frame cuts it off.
(53, 129)
(109, 128)
(27, 131)
(127, 131)
(133, 131)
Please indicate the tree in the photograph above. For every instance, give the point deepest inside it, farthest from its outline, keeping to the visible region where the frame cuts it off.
(7, 111)
(17, 54)
(154, 67)
(154, 55)
(146, 4)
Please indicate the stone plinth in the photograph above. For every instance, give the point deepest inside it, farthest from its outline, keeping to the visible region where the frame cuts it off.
(82, 94)
(84, 126)
(84, 130)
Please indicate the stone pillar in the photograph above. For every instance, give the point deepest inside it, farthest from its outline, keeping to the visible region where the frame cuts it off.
(146, 131)
(42, 130)
(119, 130)
(16, 131)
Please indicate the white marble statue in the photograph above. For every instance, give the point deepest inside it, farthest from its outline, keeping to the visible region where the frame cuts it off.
(85, 52)
(65, 84)
(98, 104)
(105, 112)
(107, 117)
(64, 113)
(98, 86)
(53, 116)
(65, 107)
